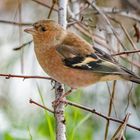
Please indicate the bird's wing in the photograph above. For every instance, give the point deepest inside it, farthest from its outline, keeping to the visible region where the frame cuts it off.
(98, 62)
(67, 51)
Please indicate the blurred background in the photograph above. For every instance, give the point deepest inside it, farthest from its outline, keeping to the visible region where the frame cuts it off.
(20, 120)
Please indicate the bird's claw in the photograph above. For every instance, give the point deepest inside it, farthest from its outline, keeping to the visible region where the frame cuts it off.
(53, 84)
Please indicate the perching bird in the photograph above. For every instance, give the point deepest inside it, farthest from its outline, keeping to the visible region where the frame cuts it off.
(71, 60)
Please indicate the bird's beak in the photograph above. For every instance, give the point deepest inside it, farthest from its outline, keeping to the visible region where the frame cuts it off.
(30, 30)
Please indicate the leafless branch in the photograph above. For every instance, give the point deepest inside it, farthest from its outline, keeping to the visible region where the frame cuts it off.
(8, 76)
(119, 134)
(110, 109)
(59, 89)
(99, 114)
(107, 21)
(45, 5)
(15, 23)
(44, 107)
(120, 12)
(23, 45)
(51, 9)
(137, 32)
(126, 33)
(126, 52)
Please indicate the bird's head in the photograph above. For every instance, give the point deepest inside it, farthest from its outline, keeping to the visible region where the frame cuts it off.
(47, 32)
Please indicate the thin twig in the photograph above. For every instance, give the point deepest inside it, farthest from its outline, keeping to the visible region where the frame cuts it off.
(23, 45)
(129, 97)
(126, 33)
(45, 5)
(99, 114)
(119, 134)
(126, 52)
(110, 96)
(20, 36)
(107, 21)
(15, 23)
(44, 107)
(137, 32)
(8, 76)
(51, 9)
(121, 12)
(110, 109)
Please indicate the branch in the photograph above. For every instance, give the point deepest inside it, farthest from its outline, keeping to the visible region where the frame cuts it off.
(44, 107)
(125, 52)
(51, 9)
(59, 89)
(23, 45)
(8, 76)
(119, 134)
(137, 32)
(120, 12)
(15, 23)
(107, 21)
(110, 109)
(45, 5)
(126, 33)
(99, 114)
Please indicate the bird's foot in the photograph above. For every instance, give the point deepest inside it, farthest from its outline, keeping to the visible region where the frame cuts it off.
(61, 99)
(53, 84)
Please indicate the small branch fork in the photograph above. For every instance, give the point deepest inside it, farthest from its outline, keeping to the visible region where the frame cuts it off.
(119, 134)
(89, 110)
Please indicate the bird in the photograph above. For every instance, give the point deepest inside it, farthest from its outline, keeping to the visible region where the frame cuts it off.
(71, 60)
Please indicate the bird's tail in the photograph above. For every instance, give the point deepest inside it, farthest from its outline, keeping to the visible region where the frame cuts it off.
(131, 76)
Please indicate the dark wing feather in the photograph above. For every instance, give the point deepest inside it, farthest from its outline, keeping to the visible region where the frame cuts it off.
(78, 62)
(104, 55)
(91, 64)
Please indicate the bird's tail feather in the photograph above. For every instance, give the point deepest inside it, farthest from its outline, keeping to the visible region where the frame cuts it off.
(131, 76)
(134, 79)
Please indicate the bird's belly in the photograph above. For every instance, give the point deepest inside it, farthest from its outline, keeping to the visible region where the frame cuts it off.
(73, 78)
(70, 76)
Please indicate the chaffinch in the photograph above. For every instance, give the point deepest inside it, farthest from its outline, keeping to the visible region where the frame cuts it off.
(71, 60)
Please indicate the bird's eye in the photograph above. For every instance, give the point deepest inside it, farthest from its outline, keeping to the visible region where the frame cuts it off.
(42, 29)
